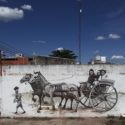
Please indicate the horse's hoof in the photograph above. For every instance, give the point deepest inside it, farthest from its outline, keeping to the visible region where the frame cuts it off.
(69, 109)
(47, 108)
(75, 110)
(45, 103)
(53, 109)
(40, 108)
(63, 107)
(59, 106)
(34, 100)
(38, 111)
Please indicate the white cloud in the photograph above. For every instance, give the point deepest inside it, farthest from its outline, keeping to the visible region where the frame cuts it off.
(117, 57)
(39, 41)
(60, 49)
(114, 36)
(9, 14)
(100, 38)
(26, 7)
(3, 1)
(109, 36)
(115, 13)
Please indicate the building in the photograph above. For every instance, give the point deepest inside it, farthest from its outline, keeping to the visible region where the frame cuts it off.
(15, 61)
(99, 60)
(47, 60)
(36, 60)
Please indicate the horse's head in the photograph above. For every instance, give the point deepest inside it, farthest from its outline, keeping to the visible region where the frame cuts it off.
(26, 78)
(38, 72)
(38, 75)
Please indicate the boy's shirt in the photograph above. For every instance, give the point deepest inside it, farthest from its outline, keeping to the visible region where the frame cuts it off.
(18, 98)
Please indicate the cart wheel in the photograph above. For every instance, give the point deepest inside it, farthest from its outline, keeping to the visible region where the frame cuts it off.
(103, 97)
(86, 102)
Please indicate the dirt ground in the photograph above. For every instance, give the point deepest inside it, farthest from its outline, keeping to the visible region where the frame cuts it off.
(63, 121)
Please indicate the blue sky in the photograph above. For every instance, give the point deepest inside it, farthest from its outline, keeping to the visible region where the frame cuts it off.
(41, 26)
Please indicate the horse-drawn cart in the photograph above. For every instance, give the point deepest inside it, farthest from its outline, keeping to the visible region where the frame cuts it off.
(101, 96)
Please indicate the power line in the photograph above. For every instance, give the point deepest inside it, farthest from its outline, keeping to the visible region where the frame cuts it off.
(13, 48)
(10, 49)
(5, 49)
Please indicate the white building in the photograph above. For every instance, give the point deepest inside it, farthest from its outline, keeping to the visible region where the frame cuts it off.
(98, 60)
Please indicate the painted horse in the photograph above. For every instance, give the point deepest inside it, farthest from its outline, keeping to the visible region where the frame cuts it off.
(41, 87)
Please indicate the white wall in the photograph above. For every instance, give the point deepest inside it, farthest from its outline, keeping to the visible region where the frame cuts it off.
(66, 73)
(54, 74)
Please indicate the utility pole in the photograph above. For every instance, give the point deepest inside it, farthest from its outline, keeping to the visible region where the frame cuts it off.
(79, 28)
(0, 63)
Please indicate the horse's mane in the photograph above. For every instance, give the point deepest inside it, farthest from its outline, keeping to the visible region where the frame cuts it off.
(42, 77)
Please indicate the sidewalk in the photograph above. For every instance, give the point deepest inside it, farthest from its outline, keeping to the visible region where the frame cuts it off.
(64, 121)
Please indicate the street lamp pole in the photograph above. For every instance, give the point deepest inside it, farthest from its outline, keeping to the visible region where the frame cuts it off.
(0, 63)
(79, 28)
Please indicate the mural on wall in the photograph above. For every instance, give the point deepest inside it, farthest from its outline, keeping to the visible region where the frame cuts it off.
(97, 93)
(62, 91)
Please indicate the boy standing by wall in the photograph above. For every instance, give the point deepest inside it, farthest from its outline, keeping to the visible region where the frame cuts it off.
(18, 100)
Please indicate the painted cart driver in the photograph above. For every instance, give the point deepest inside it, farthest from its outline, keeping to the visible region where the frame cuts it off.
(18, 100)
(92, 76)
(90, 81)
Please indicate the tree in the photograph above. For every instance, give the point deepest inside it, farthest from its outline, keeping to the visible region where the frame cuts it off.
(63, 53)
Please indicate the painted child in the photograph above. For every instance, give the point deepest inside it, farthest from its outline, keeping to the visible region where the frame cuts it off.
(18, 100)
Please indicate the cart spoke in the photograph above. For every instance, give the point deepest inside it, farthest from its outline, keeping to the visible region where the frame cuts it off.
(111, 98)
(111, 101)
(109, 104)
(85, 101)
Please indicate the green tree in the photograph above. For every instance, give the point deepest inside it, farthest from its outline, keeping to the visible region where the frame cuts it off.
(63, 53)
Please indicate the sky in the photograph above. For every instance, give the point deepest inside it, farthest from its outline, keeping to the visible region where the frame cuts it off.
(40, 26)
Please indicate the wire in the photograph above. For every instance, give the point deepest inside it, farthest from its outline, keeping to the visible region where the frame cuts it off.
(14, 48)
(10, 49)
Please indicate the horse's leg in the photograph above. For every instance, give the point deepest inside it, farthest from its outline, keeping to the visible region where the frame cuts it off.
(42, 97)
(77, 101)
(33, 94)
(71, 104)
(65, 103)
(40, 104)
(60, 104)
(52, 101)
(40, 101)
